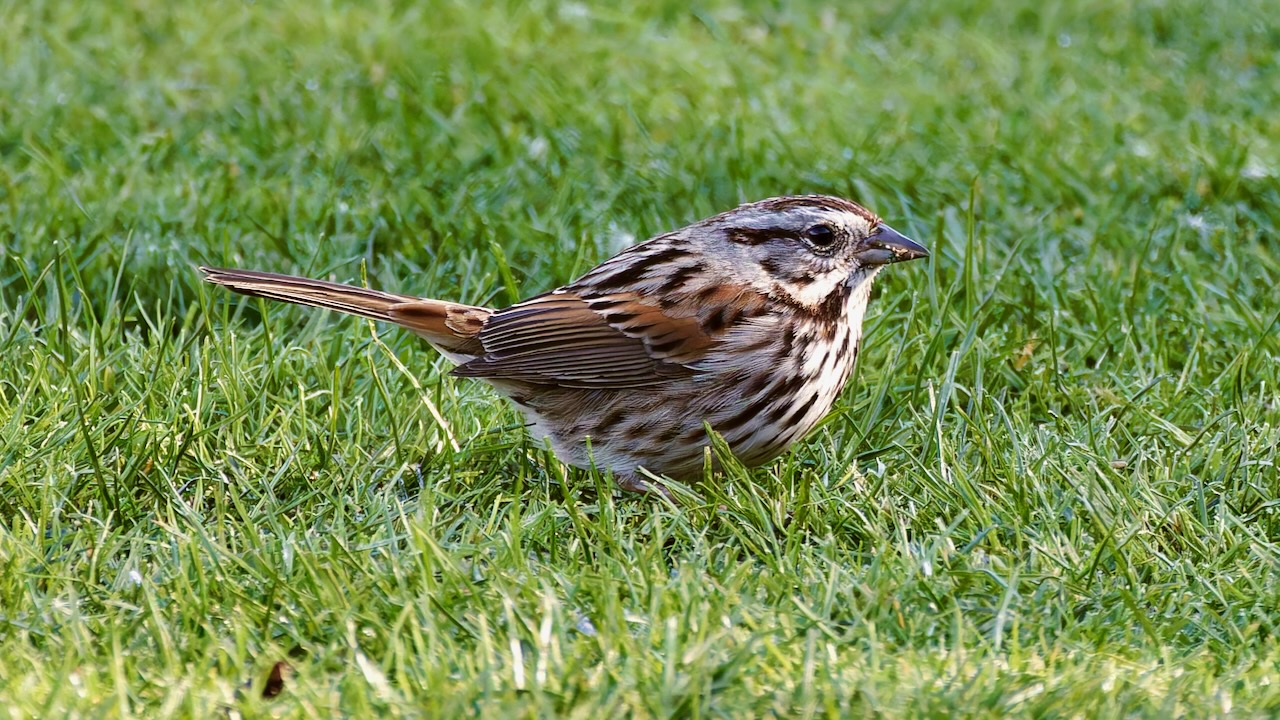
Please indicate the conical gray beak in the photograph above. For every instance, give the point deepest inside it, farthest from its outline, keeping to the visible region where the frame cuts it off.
(887, 245)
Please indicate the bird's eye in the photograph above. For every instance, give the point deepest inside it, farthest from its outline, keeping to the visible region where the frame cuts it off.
(820, 235)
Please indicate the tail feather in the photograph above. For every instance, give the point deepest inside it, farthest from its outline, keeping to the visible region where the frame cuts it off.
(452, 327)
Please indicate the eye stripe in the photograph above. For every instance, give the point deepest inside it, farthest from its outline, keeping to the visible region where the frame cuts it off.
(758, 236)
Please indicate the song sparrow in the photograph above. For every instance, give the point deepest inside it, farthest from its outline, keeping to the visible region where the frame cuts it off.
(749, 321)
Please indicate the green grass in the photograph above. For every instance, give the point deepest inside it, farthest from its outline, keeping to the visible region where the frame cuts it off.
(1051, 491)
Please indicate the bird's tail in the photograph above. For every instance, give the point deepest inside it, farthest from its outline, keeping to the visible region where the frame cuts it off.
(452, 327)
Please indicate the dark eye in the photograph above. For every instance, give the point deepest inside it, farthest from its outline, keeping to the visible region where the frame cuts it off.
(820, 235)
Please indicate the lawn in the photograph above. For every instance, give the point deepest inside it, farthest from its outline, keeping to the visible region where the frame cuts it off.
(1050, 491)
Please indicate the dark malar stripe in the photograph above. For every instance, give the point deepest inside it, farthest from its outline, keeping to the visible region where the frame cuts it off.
(830, 312)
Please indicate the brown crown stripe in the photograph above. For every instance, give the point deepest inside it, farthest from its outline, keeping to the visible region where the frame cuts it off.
(782, 204)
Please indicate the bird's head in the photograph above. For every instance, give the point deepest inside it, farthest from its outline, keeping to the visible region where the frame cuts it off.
(802, 247)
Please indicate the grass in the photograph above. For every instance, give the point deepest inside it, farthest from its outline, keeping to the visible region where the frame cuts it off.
(1051, 491)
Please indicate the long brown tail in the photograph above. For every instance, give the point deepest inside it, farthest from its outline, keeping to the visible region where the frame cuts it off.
(452, 327)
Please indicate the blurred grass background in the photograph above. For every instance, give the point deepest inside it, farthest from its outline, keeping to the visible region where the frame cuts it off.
(1051, 491)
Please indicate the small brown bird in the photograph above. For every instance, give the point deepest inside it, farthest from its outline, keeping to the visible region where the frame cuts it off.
(749, 321)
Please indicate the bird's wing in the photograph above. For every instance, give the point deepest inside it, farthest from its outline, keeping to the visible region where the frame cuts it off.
(571, 339)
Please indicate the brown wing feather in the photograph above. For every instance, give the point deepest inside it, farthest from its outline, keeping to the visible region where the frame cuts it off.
(606, 341)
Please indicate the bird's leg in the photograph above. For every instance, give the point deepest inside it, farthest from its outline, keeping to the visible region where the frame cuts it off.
(637, 484)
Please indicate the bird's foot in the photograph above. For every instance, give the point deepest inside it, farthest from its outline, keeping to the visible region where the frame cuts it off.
(638, 484)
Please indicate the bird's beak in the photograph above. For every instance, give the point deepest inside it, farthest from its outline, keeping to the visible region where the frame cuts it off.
(887, 245)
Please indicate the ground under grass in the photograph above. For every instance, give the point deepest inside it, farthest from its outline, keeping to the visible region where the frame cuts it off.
(1051, 491)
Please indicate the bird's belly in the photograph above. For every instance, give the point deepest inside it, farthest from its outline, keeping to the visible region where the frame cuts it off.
(662, 432)
(662, 428)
